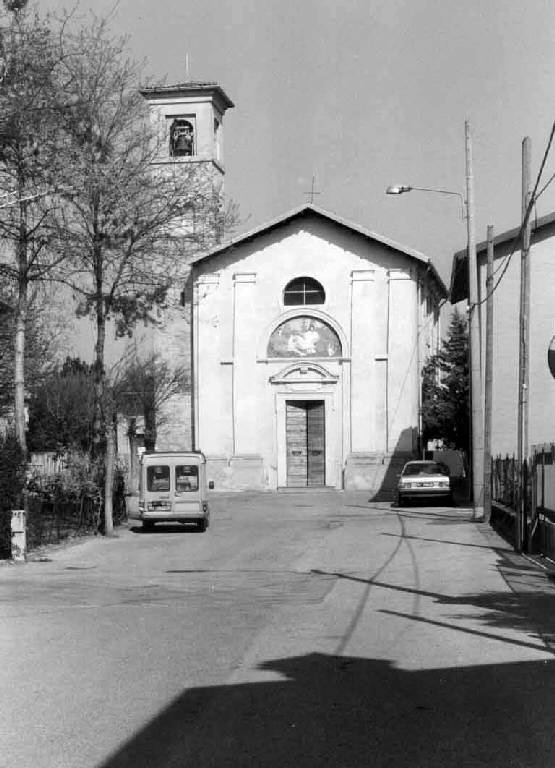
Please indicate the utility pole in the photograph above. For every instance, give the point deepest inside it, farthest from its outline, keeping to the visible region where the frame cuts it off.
(475, 354)
(523, 353)
(488, 378)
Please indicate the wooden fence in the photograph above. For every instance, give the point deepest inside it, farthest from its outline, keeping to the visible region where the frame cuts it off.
(47, 463)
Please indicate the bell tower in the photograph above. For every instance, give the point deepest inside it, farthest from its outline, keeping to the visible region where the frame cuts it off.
(189, 123)
(187, 119)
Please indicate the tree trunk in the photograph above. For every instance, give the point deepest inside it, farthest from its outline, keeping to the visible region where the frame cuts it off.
(109, 466)
(103, 425)
(150, 428)
(19, 367)
(99, 421)
(20, 327)
(133, 464)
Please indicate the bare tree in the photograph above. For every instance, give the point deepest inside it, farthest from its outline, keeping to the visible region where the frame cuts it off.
(144, 386)
(30, 96)
(41, 343)
(125, 229)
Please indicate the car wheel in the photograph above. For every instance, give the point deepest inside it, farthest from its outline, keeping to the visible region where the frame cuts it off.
(401, 501)
(148, 525)
(201, 526)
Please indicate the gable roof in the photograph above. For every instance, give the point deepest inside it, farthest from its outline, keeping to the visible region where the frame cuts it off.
(458, 289)
(311, 209)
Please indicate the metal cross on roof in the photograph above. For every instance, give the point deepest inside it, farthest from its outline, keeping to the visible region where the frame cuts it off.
(312, 192)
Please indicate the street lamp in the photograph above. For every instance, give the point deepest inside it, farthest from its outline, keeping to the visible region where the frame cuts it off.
(477, 424)
(399, 189)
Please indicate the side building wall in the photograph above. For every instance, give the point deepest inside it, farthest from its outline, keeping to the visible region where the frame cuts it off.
(541, 393)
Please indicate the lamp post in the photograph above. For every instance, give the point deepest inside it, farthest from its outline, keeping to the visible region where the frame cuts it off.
(477, 425)
(399, 189)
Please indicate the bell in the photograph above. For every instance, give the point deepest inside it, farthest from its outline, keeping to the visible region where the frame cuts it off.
(182, 140)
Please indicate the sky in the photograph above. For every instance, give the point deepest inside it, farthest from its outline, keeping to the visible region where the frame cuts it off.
(362, 94)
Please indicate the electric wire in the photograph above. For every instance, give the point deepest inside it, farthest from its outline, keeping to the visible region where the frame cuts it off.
(545, 186)
(534, 196)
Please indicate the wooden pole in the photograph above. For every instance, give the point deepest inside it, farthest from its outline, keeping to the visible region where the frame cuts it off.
(523, 352)
(488, 380)
(477, 424)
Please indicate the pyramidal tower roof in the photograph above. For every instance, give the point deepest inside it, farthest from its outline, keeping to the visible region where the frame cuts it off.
(197, 87)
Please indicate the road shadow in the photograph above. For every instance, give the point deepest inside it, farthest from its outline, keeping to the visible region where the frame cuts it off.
(431, 540)
(165, 528)
(528, 605)
(346, 712)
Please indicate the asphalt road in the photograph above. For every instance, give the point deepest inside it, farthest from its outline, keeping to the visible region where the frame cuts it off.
(311, 629)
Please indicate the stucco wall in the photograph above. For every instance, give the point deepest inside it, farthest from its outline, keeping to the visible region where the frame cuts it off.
(506, 346)
(371, 392)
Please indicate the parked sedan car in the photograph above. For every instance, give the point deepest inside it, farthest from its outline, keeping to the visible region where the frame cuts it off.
(424, 480)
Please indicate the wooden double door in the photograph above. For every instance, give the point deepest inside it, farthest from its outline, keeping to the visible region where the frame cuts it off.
(305, 425)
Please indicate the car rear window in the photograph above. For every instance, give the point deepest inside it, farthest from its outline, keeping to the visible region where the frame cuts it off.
(158, 477)
(186, 477)
(433, 468)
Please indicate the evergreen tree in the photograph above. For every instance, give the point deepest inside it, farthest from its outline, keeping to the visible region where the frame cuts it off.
(61, 409)
(446, 389)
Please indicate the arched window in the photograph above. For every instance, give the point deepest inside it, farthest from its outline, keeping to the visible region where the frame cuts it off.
(303, 290)
(182, 138)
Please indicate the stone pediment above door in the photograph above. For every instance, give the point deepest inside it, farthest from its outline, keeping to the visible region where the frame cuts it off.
(304, 373)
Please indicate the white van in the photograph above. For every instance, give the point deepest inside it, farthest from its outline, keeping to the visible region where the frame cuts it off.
(173, 488)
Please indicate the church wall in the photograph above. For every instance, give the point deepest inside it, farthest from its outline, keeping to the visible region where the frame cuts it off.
(171, 341)
(371, 404)
(402, 363)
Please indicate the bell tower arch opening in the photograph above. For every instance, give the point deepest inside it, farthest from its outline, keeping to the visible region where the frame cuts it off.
(182, 138)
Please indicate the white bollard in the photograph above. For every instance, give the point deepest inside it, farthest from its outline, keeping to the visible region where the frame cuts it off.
(19, 535)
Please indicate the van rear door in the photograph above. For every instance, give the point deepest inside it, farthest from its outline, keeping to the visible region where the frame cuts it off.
(187, 489)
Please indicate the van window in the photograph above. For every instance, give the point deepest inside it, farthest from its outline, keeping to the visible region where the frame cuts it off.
(186, 477)
(158, 478)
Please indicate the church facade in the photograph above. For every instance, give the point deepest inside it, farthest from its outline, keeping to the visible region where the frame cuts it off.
(308, 339)
(304, 339)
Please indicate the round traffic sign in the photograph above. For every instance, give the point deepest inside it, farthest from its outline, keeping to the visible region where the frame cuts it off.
(551, 357)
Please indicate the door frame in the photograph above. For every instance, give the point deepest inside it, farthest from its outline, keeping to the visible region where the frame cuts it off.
(321, 435)
(332, 435)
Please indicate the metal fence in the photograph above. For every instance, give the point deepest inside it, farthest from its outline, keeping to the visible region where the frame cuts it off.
(530, 489)
(52, 519)
(505, 481)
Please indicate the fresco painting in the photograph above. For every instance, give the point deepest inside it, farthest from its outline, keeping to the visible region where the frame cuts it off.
(304, 337)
